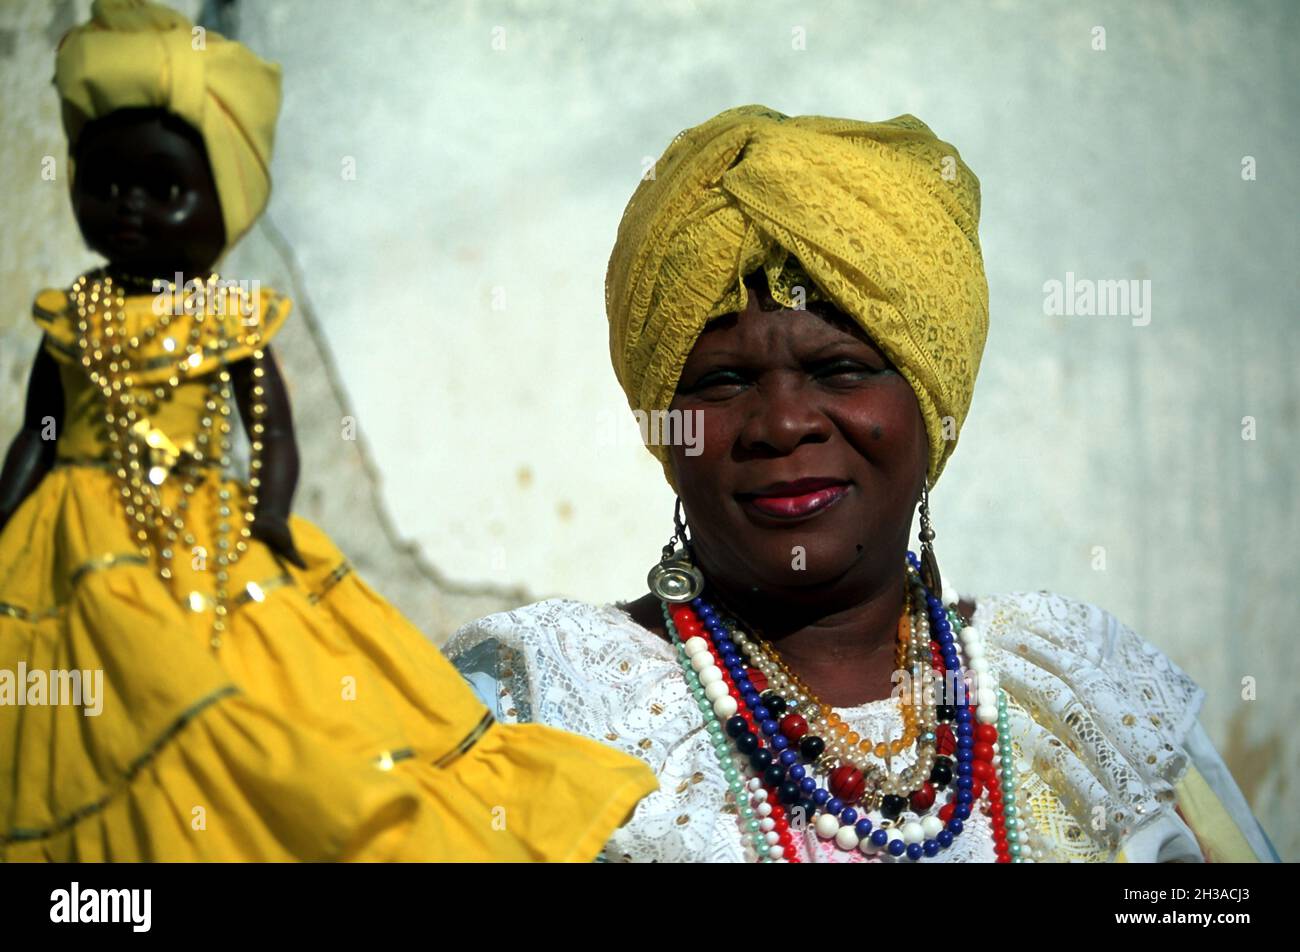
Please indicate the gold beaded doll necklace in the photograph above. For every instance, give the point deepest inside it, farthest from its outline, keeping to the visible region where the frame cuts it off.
(142, 456)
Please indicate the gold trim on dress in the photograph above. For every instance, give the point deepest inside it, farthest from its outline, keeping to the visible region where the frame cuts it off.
(76, 816)
(340, 572)
(470, 740)
(108, 561)
(252, 591)
(22, 614)
(386, 760)
(40, 312)
(257, 591)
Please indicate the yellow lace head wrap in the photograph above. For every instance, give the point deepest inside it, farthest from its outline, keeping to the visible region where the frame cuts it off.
(133, 54)
(878, 218)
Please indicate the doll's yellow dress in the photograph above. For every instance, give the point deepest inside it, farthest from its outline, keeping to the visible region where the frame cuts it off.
(324, 726)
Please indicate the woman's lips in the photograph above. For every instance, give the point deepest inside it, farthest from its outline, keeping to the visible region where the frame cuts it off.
(795, 500)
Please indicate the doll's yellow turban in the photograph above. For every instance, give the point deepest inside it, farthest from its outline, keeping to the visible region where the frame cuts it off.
(878, 218)
(133, 54)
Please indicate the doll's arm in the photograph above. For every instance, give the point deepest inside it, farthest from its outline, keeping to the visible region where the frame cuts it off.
(279, 474)
(31, 454)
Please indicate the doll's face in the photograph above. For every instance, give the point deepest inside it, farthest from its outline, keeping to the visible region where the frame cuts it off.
(144, 195)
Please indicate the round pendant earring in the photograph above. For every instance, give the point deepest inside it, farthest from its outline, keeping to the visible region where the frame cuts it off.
(675, 578)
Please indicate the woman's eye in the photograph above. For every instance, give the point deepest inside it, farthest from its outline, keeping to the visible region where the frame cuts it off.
(846, 369)
(717, 379)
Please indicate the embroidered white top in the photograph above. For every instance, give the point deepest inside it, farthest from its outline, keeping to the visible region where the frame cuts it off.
(1103, 727)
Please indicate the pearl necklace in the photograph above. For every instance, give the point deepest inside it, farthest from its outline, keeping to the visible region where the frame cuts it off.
(143, 457)
(767, 781)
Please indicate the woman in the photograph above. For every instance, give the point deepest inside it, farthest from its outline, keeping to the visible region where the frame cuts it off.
(813, 288)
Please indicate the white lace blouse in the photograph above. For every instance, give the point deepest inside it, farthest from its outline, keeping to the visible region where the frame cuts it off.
(1103, 725)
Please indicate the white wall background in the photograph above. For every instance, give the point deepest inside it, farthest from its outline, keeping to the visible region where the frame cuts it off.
(457, 280)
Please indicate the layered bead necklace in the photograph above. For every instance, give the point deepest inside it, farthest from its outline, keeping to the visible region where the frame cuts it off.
(789, 760)
(142, 456)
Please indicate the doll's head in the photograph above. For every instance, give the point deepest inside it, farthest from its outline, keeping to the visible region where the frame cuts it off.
(144, 194)
(170, 129)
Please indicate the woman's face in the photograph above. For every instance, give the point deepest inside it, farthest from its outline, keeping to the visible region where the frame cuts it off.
(144, 195)
(813, 456)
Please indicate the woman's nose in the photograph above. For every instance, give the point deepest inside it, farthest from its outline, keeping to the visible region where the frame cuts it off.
(783, 416)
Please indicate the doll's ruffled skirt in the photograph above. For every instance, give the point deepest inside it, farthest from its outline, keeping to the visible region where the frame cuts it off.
(324, 727)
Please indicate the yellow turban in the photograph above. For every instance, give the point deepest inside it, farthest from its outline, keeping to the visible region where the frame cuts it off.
(133, 54)
(881, 217)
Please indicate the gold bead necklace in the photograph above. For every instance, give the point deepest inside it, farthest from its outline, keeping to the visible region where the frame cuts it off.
(142, 456)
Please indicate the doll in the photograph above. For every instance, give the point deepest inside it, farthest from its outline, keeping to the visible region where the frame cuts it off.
(187, 669)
